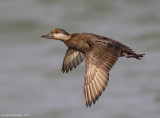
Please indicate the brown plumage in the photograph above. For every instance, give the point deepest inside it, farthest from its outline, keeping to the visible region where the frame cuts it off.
(100, 52)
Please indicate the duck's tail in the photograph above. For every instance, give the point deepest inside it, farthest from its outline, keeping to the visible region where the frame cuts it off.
(132, 55)
(129, 53)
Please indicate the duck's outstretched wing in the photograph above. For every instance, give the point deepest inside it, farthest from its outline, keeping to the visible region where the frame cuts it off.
(99, 61)
(72, 59)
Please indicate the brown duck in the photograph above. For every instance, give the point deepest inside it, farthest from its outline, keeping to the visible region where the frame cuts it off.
(100, 52)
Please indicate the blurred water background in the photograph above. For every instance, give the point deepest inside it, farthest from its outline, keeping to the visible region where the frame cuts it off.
(31, 80)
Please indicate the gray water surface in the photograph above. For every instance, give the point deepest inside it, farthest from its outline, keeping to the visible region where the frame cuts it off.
(31, 81)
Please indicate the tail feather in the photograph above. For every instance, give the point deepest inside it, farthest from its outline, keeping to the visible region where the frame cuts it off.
(132, 55)
(129, 53)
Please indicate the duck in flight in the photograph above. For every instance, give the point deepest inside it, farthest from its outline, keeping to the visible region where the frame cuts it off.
(100, 52)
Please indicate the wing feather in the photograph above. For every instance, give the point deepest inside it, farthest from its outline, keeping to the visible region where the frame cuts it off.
(72, 59)
(99, 60)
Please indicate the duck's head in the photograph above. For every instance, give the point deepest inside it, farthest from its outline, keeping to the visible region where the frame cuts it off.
(57, 34)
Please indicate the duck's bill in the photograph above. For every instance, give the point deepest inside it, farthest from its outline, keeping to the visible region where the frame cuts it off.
(47, 36)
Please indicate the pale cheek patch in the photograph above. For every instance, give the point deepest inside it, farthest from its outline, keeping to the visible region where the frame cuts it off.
(61, 36)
